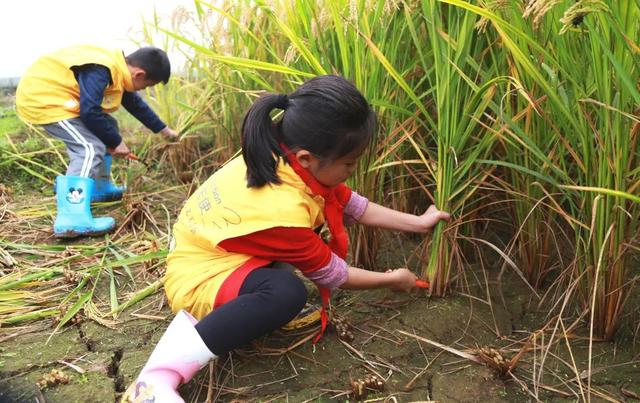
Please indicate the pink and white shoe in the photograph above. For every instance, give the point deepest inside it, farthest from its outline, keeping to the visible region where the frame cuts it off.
(178, 356)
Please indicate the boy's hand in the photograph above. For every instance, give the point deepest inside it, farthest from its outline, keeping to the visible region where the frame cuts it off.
(169, 134)
(431, 217)
(120, 151)
(403, 280)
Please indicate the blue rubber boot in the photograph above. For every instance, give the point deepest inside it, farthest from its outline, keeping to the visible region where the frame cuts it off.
(73, 195)
(104, 190)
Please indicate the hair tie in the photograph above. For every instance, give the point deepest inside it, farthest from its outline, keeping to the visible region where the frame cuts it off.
(282, 101)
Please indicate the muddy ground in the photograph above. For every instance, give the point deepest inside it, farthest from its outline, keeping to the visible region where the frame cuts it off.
(389, 328)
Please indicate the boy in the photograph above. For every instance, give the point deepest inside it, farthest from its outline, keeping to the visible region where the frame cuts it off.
(69, 93)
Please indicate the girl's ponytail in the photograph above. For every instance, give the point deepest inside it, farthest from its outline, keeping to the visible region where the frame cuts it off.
(260, 140)
(326, 116)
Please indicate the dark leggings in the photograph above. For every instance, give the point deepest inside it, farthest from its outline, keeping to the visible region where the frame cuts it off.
(268, 299)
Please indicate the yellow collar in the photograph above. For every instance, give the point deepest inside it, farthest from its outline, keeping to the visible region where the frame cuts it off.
(126, 74)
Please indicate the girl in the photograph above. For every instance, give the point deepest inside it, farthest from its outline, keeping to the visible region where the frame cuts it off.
(261, 209)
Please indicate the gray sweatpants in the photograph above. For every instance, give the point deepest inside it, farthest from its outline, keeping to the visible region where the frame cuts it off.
(86, 151)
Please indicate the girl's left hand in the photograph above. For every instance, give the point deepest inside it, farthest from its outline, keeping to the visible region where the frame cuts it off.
(430, 218)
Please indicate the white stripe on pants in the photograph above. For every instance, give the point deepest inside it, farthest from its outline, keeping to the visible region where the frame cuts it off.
(86, 151)
(89, 150)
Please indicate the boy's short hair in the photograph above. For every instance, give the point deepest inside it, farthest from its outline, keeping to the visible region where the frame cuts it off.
(153, 61)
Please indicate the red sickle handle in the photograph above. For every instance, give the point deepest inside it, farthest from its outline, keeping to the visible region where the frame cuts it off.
(422, 284)
(130, 156)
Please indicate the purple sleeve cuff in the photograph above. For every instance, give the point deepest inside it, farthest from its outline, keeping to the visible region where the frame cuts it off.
(331, 276)
(355, 208)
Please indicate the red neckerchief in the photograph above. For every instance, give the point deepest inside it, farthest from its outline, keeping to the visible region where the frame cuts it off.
(335, 199)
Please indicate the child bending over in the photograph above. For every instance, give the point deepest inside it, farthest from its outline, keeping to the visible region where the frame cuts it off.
(263, 208)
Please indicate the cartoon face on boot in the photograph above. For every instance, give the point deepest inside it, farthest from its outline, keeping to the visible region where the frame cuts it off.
(139, 392)
(75, 196)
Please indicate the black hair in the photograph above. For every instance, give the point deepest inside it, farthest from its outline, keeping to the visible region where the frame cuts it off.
(326, 116)
(153, 61)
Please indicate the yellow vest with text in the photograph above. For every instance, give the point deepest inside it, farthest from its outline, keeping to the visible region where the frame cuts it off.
(48, 91)
(223, 208)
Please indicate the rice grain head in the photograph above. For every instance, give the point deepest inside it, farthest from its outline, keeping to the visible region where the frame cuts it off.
(576, 13)
(537, 9)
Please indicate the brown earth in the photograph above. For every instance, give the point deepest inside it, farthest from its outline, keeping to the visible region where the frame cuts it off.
(388, 328)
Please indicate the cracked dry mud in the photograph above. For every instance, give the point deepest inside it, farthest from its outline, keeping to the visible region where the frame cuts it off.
(110, 358)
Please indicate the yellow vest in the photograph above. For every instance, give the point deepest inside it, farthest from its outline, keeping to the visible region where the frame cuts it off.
(222, 208)
(48, 91)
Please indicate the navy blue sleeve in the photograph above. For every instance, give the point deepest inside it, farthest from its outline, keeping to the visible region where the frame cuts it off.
(93, 79)
(136, 106)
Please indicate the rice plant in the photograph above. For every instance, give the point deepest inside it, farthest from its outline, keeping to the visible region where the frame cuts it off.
(604, 45)
(587, 75)
(592, 85)
(461, 93)
(522, 110)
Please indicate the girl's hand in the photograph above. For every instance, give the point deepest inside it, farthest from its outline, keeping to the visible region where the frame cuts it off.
(403, 280)
(431, 217)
